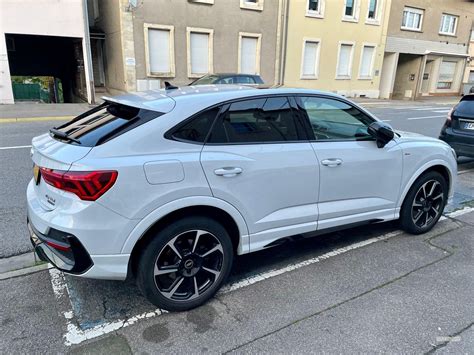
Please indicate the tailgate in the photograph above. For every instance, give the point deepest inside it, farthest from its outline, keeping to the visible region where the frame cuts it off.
(46, 152)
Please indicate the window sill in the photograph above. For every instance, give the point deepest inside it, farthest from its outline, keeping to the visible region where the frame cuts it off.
(343, 77)
(350, 19)
(257, 7)
(308, 77)
(447, 34)
(314, 14)
(161, 75)
(365, 78)
(206, 2)
(372, 22)
(411, 29)
(196, 76)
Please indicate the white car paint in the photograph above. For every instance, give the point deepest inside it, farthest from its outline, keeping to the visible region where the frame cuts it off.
(271, 191)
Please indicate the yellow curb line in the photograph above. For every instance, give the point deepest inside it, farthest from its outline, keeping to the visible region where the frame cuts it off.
(35, 119)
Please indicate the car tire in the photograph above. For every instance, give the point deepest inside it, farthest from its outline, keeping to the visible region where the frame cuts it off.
(176, 273)
(424, 203)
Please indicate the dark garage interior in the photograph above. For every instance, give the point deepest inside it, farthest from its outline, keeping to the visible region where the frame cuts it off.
(60, 58)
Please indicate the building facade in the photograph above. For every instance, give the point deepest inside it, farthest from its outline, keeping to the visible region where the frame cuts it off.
(44, 45)
(427, 48)
(469, 72)
(149, 42)
(336, 45)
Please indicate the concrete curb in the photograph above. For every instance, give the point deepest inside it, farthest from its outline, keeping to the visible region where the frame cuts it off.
(35, 119)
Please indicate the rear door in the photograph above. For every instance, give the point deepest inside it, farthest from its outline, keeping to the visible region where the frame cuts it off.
(258, 159)
(358, 180)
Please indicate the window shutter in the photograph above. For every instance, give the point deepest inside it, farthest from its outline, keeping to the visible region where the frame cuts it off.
(199, 48)
(366, 65)
(309, 58)
(159, 50)
(344, 60)
(248, 55)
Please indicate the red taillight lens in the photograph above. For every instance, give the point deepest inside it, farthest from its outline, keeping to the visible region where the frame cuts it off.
(87, 185)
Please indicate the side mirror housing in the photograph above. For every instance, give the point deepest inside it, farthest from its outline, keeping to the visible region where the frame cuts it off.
(382, 133)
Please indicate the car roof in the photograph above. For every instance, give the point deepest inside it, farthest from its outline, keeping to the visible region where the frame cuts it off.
(163, 100)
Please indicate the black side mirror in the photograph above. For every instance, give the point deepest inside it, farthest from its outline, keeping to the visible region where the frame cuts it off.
(382, 133)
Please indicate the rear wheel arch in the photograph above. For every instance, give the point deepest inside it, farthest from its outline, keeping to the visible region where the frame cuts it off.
(217, 214)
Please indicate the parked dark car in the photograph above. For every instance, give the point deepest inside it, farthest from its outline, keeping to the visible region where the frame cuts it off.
(458, 130)
(229, 78)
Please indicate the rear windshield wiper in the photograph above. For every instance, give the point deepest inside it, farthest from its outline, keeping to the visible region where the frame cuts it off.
(60, 134)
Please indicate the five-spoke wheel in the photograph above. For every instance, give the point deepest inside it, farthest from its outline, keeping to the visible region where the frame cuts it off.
(424, 203)
(185, 263)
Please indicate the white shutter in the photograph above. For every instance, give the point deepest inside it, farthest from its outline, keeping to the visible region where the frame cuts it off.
(199, 48)
(309, 58)
(446, 71)
(159, 50)
(344, 60)
(366, 63)
(248, 55)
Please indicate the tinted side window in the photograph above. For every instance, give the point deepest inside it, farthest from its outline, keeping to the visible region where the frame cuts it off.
(335, 120)
(255, 121)
(197, 129)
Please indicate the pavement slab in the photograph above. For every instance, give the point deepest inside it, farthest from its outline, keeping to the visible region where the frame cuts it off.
(241, 319)
(30, 321)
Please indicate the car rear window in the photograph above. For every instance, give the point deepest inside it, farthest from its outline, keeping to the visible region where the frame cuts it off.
(104, 123)
(466, 106)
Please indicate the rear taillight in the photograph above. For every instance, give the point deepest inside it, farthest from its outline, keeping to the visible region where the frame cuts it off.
(87, 185)
(450, 118)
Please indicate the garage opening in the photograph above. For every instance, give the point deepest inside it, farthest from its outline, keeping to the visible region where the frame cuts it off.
(46, 69)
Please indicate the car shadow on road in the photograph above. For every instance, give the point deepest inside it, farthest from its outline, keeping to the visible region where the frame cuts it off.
(95, 302)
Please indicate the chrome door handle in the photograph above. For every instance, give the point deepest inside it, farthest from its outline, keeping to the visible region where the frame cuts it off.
(228, 171)
(333, 162)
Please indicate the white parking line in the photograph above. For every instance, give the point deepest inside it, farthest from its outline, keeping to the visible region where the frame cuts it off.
(422, 118)
(426, 108)
(15, 147)
(76, 335)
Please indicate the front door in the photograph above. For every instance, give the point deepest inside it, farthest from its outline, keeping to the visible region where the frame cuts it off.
(258, 159)
(358, 180)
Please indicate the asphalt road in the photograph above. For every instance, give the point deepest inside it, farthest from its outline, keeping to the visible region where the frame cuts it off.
(368, 289)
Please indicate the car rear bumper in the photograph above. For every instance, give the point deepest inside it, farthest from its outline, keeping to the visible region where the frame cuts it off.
(462, 143)
(80, 239)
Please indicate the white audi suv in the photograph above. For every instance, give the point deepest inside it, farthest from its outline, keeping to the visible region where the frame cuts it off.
(167, 186)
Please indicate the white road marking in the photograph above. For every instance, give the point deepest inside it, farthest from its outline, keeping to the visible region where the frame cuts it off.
(76, 335)
(422, 118)
(426, 108)
(387, 120)
(15, 147)
(442, 111)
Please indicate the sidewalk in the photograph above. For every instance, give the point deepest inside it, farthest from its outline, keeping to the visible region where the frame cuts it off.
(37, 111)
(428, 100)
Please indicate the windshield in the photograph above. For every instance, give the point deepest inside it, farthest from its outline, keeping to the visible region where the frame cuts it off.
(205, 80)
(103, 123)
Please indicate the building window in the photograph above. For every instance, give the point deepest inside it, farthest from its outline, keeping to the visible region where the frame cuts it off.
(373, 7)
(249, 53)
(472, 35)
(310, 60)
(315, 8)
(471, 77)
(448, 25)
(159, 48)
(200, 51)
(344, 61)
(251, 4)
(446, 75)
(412, 19)
(351, 11)
(367, 62)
